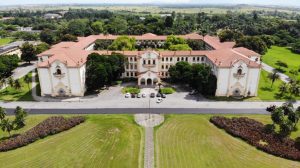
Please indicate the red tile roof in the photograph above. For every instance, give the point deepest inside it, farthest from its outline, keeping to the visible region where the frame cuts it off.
(73, 54)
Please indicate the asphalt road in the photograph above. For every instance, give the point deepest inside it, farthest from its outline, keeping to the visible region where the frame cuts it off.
(144, 110)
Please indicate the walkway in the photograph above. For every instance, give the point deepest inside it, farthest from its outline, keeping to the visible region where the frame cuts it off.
(149, 121)
(270, 69)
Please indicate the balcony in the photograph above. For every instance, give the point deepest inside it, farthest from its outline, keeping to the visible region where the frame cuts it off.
(238, 75)
(57, 75)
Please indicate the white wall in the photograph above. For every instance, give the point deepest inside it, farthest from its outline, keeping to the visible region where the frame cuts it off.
(45, 81)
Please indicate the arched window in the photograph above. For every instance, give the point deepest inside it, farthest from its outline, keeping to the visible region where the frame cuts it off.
(239, 72)
(58, 72)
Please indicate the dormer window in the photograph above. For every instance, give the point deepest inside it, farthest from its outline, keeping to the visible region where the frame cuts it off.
(58, 72)
(239, 72)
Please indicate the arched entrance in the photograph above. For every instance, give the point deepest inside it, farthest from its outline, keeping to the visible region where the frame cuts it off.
(149, 81)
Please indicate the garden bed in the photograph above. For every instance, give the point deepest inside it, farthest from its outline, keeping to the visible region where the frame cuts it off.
(50, 126)
(256, 134)
(132, 90)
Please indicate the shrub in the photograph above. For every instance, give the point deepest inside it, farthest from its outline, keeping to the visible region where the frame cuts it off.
(253, 132)
(132, 90)
(50, 126)
(167, 90)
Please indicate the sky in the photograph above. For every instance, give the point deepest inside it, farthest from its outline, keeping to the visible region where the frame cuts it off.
(260, 2)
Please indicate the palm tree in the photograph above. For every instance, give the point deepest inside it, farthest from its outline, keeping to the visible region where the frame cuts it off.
(294, 88)
(273, 76)
(27, 79)
(7, 125)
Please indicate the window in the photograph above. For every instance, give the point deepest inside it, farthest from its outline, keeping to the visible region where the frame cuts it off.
(167, 59)
(134, 58)
(131, 73)
(239, 72)
(186, 58)
(198, 58)
(58, 72)
(154, 62)
(193, 58)
(163, 59)
(162, 67)
(127, 74)
(149, 62)
(144, 62)
(202, 59)
(178, 59)
(171, 59)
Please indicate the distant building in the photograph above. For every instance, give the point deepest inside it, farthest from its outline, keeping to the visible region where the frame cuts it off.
(14, 48)
(27, 29)
(62, 69)
(165, 15)
(52, 16)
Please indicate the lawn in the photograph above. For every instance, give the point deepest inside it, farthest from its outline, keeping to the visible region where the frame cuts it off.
(191, 141)
(102, 141)
(4, 41)
(22, 94)
(130, 89)
(285, 55)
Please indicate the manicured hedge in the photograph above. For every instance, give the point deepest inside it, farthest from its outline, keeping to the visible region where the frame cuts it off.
(50, 126)
(255, 134)
(167, 90)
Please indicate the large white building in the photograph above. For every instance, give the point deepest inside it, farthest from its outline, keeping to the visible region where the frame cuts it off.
(62, 68)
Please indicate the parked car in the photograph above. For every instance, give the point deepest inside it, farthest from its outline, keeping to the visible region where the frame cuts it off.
(163, 95)
(133, 95)
(127, 95)
(139, 95)
(158, 95)
(159, 100)
(152, 95)
(143, 95)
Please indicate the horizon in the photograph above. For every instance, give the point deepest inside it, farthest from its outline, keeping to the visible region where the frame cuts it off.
(289, 3)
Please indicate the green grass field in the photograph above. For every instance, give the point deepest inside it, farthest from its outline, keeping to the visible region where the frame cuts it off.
(22, 94)
(102, 141)
(191, 141)
(285, 55)
(265, 92)
(4, 41)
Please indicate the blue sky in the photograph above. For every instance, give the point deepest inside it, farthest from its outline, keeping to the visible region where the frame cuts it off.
(264, 2)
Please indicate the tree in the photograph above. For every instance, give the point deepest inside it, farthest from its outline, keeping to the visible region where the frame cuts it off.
(181, 72)
(283, 88)
(48, 36)
(117, 25)
(103, 70)
(102, 44)
(286, 117)
(229, 35)
(97, 27)
(19, 122)
(27, 79)
(17, 84)
(20, 115)
(169, 21)
(294, 88)
(28, 52)
(273, 77)
(7, 125)
(2, 113)
(41, 48)
(11, 82)
(123, 43)
(69, 37)
(180, 47)
(78, 27)
(296, 47)
(253, 43)
(173, 40)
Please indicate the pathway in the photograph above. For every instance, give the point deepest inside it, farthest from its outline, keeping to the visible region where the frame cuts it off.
(270, 69)
(149, 121)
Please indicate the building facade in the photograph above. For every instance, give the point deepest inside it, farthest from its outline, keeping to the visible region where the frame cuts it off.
(62, 68)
